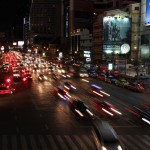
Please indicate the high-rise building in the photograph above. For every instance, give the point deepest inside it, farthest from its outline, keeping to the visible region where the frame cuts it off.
(44, 21)
(76, 14)
(26, 30)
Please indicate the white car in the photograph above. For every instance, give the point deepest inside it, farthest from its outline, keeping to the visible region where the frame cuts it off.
(105, 136)
(16, 74)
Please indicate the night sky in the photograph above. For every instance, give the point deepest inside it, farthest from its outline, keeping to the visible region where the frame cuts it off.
(12, 12)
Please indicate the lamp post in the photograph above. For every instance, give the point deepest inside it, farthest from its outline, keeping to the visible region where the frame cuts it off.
(126, 64)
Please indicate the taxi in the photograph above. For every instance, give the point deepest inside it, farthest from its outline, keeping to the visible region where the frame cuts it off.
(135, 87)
(122, 82)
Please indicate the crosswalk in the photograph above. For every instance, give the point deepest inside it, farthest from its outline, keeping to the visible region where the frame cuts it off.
(67, 142)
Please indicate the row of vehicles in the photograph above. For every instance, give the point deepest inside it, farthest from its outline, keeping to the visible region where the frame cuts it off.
(122, 82)
(11, 72)
(77, 70)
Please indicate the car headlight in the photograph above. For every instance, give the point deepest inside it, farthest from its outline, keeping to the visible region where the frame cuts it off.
(45, 77)
(119, 147)
(79, 113)
(104, 148)
(63, 71)
(89, 112)
(81, 75)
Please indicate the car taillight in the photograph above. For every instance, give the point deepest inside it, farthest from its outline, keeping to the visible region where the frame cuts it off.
(24, 79)
(8, 80)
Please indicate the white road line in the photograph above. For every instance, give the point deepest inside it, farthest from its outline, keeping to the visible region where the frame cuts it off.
(52, 142)
(136, 145)
(23, 143)
(4, 143)
(61, 142)
(69, 140)
(33, 142)
(81, 142)
(146, 140)
(43, 144)
(142, 141)
(14, 142)
(89, 142)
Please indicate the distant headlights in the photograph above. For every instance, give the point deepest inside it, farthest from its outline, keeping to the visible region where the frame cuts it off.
(45, 78)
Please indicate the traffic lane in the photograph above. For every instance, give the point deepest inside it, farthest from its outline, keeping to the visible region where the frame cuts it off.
(116, 100)
(122, 96)
(57, 114)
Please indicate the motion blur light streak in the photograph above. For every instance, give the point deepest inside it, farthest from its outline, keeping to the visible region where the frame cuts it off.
(116, 111)
(73, 87)
(105, 93)
(66, 87)
(68, 75)
(107, 112)
(85, 80)
(147, 121)
(89, 112)
(96, 86)
(79, 113)
(97, 93)
(133, 112)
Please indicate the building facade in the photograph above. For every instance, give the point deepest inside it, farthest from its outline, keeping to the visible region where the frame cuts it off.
(76, 14)
(97, 47)
(81, 44)
(44, 21)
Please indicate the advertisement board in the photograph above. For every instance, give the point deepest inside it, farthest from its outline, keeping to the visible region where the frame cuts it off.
(148, 12)
(116, 34)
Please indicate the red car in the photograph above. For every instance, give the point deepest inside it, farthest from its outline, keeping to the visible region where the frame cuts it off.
(6, 90)
(135, 87)
(102, 76)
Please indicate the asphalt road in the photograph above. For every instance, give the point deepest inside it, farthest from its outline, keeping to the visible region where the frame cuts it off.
(33, 118)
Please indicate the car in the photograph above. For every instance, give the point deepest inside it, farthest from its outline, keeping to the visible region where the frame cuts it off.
(107, 108)
(55, 76)
(97, 91)
(62, 93)
(93, 74)
(105, 136)
(6, 81)
(69, 86)
(81, 110)
(16, 73)
(5, 70)
(42, 77)
(141, 113)
(102, 76)
(110, 79)
(122, 82)
(65, 75)
(6, 90)
(135, 87)
(27, 77)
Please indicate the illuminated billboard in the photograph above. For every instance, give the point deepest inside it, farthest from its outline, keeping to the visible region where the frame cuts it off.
(116, 34)
(147, 12)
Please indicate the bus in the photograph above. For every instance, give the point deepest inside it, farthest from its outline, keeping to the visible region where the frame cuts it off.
(78, 71)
